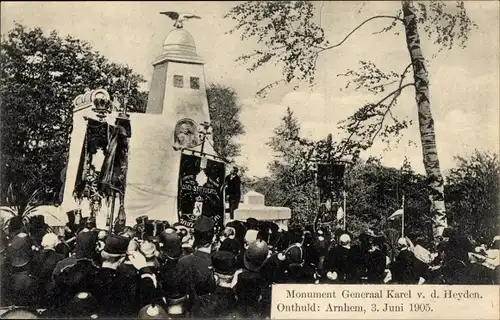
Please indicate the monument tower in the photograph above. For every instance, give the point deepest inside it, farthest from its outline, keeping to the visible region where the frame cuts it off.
(177, 105)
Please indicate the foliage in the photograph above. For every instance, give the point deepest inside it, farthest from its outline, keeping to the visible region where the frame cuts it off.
(473, 189)
(288, 35)
(40, 77)
(291, 178)
(21, 203)
(224, 114)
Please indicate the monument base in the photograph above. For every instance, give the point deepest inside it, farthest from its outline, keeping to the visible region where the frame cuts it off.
(253, 207)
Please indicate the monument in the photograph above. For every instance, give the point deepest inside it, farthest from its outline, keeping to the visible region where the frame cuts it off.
(177, 110)
(253, 206)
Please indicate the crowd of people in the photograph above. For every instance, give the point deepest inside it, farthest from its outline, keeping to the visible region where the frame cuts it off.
(158, 270)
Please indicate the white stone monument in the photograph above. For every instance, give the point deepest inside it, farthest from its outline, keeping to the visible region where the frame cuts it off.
(177, 105)
(253, 206)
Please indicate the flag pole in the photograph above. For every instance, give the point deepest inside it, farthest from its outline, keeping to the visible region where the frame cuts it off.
(403, 217)
(345, 211)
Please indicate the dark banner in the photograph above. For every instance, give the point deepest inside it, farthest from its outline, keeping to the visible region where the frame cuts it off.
(200, 190)
(330, 181)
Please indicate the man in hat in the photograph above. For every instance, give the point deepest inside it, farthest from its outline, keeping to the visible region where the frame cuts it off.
(170, 252)
(195, 273)
(23, 287)
(233, 191)
(85, 248)
(298, 271)
(338, 263)
(221, 302)
(248, 291)
(377, 260)
(111, 290)
(46, 261)
(360, 255)
(75, 273)
(229, 242)
(402, 269)
(256, 253)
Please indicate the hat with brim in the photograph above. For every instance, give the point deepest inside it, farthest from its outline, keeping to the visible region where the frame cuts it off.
(204, 224)
(20, 251)
(116, 245)
(255, 255)
(171, 243)
(224, 262)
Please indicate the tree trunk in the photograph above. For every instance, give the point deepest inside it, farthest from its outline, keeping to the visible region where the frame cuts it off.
(425, 120)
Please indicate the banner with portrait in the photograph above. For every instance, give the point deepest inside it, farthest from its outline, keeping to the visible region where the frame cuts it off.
(330, 182)
(200, 189)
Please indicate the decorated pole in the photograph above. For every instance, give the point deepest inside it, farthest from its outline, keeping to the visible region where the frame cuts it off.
(345, 210)
(403, 218)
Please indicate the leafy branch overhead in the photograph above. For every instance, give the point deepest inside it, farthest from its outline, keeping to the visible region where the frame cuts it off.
(288, 34)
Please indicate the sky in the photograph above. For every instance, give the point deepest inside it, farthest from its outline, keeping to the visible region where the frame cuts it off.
(464, 82)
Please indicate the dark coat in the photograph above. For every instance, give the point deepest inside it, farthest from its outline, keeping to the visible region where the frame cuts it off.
(273, 269)
(113, 294)
(69, 277)
(339, 260)
(215, 305)
(303, 274)
(169, 282)
(21, 288)
(45, 263)
(403, 268)
(249, 311)
(376, 266)
(360, 257)
(233, 186)
(194, 272)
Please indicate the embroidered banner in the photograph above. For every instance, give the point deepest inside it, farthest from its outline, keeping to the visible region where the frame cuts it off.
(200, 189)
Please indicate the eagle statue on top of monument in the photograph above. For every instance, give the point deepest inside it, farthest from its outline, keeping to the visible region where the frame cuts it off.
(179, 18)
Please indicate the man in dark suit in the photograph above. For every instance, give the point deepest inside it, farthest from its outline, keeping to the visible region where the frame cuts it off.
(223, 300)
(46, 261)
(233, 191)
(403, 268)
(194, 271)
(338, 265)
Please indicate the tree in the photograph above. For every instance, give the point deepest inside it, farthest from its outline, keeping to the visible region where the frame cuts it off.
(41, 75)
(472, 194)
(291, 176)
(289, 35)
(224, 112)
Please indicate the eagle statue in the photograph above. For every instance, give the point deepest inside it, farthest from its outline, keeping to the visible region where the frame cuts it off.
(179, 18)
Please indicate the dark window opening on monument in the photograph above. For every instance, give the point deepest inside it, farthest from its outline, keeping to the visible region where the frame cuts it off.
(178, 81)
(195, 83)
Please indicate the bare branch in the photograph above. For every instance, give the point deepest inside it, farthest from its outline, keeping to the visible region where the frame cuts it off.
(355, 29)
(384, 84)
(262, 92)
(395, 94)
